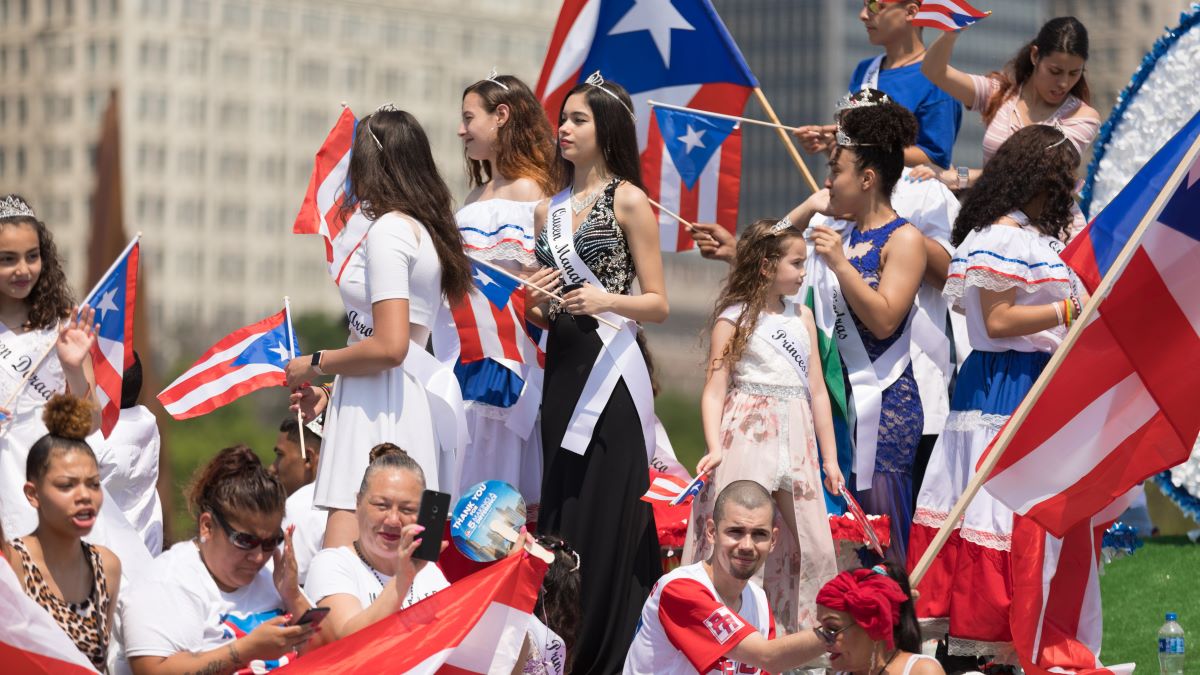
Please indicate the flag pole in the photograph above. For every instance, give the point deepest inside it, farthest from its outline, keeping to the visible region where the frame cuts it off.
(735, 118)
(1022, 412)
(42, 359)
(523, 282)
(688, 226)
(287, 314)
(787, 140)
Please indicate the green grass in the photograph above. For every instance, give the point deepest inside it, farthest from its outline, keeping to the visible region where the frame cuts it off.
(1137, 591)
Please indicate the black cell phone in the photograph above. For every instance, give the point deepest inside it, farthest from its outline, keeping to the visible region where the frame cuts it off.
(314, 616)
(585, 322)
(435, 509)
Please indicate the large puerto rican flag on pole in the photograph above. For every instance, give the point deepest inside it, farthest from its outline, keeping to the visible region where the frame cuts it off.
(30, 641)
(1121, 406)
(246, 360)
(477, 625)
(672, 51)
(113, 300)
(321, 211)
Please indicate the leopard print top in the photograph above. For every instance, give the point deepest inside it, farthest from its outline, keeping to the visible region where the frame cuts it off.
(86, 623)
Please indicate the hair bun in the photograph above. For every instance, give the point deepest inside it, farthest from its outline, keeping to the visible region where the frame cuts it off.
(68, 417)
(385, 449)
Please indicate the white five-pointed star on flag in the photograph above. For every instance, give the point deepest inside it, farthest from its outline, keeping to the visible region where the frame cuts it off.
(284, 354)
(483, 277)
(692, 138)
(658, 17)
(106, 304)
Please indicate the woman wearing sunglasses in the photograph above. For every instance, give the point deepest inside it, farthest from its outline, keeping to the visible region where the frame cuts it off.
(213, 606)
(869, 625)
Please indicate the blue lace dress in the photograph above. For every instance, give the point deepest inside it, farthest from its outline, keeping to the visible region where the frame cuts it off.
(901, 418)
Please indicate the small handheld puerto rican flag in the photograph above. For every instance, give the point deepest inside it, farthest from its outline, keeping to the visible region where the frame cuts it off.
(113, 300)
(861, 517)
(673, 490)
(947, 15)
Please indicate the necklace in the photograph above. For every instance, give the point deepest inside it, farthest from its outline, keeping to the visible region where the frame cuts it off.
(580, 203)
(408, 599)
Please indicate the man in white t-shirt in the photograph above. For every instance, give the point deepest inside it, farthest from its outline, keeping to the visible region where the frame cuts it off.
(297, 474)
(706, 617)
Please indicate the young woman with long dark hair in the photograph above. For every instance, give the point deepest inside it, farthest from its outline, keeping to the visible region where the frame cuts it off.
(392, 286)
(597, 402)
(1019, 298)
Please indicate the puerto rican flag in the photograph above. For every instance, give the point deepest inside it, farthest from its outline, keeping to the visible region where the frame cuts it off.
(490, 321)
(672, 490)
(1121, 405)
(320, 212)
(671, 51)
(947, 15)
(113, 300)
(246, 360)
(477, 625)
(30, 640)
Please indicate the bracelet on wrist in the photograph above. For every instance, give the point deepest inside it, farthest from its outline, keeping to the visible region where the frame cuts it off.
(1058, 312)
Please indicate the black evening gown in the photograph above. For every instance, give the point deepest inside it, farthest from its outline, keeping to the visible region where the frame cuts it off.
(593, 501)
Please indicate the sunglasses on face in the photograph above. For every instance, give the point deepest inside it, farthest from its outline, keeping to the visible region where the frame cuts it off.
(829, 635)
(877, 6)
(244, 541)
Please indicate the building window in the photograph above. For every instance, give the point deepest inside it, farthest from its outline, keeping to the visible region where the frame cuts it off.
(235, 15)
(152, 55)
(22, 110)
(3, 111)
(235, 64)
(232, 166)
(196, 11)
(192, 161)
(23, 60)
(315, 24)
(231, 267)
(152, 107)
(193, 59)
(234, 114)
(274, 66)
(276, 20)
(20, 162)
(150, 208)
(314, 74)
(3, 159)
(355, 74)
(190, 213)
(231, 217)
(194, 111)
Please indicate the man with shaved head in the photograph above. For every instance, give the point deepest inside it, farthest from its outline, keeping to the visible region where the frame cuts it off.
(705, 617)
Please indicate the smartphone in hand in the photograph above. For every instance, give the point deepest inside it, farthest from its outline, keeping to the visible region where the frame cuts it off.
(314, 615)
(435, 509)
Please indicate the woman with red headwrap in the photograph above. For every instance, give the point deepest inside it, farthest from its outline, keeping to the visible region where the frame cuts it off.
(867, 620)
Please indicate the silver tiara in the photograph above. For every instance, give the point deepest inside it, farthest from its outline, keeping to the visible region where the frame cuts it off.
(386, 107)
(492, 78)
(845, 141)
(13, 206)
(862, 99)
(780, 227)
(597, 81)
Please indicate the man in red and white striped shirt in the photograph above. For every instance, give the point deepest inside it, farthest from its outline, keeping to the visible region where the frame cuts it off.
(705, 617)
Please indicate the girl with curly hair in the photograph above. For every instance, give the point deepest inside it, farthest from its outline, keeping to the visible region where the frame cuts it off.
(1019, 298)
(44, 347)
(870, 282)
(765, 412)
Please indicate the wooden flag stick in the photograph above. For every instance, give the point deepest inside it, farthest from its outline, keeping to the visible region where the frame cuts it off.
(1060, 354)
(287, 311)
(787, 140)
(523, 282)
(688, 226)
(736, 118)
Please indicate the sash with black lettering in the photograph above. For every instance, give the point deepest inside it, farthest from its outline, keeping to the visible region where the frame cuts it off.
(776, 331)
(19, 353)
(618, 358)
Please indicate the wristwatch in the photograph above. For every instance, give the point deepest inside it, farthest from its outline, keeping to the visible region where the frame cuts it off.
(316, 362)
(964, 177)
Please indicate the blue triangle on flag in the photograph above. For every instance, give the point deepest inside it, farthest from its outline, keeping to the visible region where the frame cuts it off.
(496, 287)
(691, 139)
(109, 302)
(271, 348)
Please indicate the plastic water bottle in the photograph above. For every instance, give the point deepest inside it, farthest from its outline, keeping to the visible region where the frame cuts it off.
(1170, 647)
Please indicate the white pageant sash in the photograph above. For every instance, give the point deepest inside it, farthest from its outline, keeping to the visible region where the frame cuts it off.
(445, 406)
(871, 77)
(772, 328)
(19, 353)
(619, 356)
(867, 379)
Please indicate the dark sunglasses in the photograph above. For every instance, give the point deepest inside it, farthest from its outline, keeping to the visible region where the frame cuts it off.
(877, 6)
(829, 636)
(247, 542)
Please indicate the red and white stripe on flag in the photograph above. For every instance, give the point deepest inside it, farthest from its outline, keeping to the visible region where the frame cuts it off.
(715, 196)
(31, 643)
(1056, 617)
(1122, 404)
(477, 625)
(947, 15)
(113, 351)
(321, 211)
(664, 487)
(485, 331)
